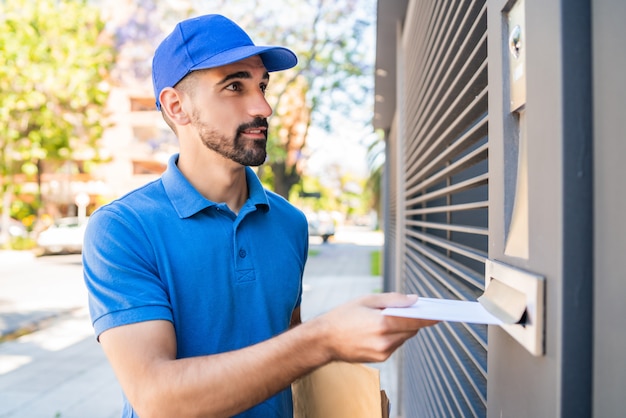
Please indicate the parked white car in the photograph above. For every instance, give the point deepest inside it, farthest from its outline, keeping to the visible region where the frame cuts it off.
(321, 224)
(65, 236)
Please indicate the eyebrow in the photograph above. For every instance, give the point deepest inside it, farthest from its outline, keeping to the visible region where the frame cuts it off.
(240, 75)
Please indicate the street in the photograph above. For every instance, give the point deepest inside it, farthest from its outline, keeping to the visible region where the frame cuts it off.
(39, 288)
(57, 369)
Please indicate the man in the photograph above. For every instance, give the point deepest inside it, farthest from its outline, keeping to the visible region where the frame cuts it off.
(195, 279)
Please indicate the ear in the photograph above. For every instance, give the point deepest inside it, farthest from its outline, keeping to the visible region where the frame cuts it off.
(172, 104)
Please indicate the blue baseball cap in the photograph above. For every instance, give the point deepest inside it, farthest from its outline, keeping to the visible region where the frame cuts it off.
(209, 41)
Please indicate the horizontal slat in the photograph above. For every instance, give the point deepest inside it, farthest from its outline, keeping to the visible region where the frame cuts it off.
(450, 227)
(469, 340)
(433, 399)
(479, 154)
(444, 153)
(458, 337)
(469, 276)
(428, 91)
(447, 208)
(455, 188)
(464, 381)
(449, 93)
(464, 117)
(435, 58)
(454, 409)
(456, 248)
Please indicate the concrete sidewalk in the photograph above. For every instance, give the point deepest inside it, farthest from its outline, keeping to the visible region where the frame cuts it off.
(34, 291)
(61, 372)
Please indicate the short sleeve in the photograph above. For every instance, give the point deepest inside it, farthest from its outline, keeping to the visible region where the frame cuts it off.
(120, 272)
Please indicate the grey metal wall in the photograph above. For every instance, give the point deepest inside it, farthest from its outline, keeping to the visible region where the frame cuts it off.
(609, 349)
(555, 128)
(441, 235)
(453, 170)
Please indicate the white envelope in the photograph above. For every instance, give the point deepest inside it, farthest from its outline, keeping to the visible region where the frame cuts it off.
(499, 305)
(446, 310)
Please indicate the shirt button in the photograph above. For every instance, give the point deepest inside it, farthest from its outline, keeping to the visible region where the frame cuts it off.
(242, 253)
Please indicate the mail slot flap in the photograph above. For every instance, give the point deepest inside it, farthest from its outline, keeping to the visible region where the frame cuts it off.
(517, 298)
(504, 302)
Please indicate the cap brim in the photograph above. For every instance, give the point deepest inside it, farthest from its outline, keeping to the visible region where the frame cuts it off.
(275, 58)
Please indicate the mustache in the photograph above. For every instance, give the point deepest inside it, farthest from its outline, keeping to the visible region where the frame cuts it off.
(256, 123)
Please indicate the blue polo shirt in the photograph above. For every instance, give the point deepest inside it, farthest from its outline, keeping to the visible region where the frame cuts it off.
(225, 281)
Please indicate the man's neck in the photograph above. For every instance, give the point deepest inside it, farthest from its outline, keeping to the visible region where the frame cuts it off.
(216, 178)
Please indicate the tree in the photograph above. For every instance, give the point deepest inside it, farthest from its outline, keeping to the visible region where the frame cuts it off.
(53, 86)
(333, 80)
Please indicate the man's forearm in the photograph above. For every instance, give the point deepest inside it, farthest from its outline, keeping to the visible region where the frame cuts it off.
(228, 383)
(157, 384)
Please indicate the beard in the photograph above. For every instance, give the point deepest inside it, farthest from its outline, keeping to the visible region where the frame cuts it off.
(243, 151)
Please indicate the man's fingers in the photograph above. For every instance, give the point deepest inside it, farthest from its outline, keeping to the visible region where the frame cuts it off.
(401, 324)
(396, 300)
(389, 300)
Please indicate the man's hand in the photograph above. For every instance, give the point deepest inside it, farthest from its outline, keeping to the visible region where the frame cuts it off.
(358, 332)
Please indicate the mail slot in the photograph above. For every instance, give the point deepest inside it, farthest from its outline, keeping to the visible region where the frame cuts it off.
(513, 299)
(518, 298)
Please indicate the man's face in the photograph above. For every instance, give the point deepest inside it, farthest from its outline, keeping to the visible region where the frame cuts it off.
(230, 110)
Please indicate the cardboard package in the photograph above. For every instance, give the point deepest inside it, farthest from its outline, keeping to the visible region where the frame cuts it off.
(340, 390)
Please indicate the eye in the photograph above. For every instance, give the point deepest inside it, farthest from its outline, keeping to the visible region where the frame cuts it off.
(234, 87)
(263, 87)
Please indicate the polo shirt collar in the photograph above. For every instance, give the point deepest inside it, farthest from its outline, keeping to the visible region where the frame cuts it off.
(187, 201)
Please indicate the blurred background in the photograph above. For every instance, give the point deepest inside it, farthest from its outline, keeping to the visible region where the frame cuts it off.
(79, 127)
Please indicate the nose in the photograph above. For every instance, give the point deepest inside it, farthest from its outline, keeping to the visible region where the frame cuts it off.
(259, 107)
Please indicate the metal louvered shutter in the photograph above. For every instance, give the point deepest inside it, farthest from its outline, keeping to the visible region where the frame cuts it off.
(444, 200)
(390, 193)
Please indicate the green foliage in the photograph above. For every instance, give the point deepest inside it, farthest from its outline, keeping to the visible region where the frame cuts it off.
(375, 259)
(347, 196)
(23, 211)
(22, 244)
(53, 89)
